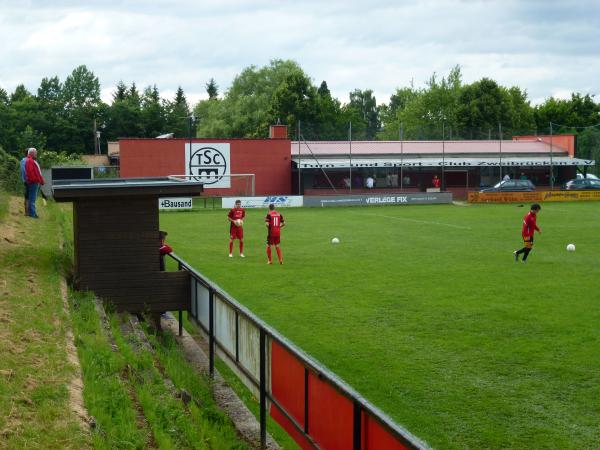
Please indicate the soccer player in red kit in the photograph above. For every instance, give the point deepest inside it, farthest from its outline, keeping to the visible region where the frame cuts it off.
(529, 227)
(236, 231)
(163, 248)
(274, 222)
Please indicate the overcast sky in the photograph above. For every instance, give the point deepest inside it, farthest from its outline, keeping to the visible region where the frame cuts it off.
(549, 48)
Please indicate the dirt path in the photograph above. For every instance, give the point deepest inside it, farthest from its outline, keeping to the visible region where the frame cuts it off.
(76, 384)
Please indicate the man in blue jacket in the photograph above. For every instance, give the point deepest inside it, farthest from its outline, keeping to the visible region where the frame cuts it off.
(24, 179)
(34, 180)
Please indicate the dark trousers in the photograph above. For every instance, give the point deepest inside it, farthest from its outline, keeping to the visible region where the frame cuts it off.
(32, 191)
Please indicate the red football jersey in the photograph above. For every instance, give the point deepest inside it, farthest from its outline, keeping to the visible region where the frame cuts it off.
(164, 249)
(529, 225)
(235, 214)
(275, 220)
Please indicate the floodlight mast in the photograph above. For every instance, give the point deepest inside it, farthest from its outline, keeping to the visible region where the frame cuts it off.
(443, 154)
(192, 121)
(401, 156)
(551, 161)
(500, 150)
(350, 142)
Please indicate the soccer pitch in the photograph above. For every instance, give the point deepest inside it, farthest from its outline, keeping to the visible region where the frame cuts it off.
(424, 311)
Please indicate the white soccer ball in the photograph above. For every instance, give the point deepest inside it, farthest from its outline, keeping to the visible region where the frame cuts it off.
(571, 247)
(239, 222)
(335, 241)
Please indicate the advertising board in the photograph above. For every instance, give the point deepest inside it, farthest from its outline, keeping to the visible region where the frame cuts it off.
(174, 203)
(419, 198)
(535, 196)
(264, 201)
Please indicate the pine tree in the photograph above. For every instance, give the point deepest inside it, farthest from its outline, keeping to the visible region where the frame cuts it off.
(212, 89)
(178, 115)
(121, 91)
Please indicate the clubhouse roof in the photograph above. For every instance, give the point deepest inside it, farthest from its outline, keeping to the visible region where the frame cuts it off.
(520, 151)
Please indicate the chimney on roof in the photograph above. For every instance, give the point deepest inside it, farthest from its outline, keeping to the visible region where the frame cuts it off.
(278, 131)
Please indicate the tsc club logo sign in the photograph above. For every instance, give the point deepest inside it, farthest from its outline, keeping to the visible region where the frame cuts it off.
(209, 164)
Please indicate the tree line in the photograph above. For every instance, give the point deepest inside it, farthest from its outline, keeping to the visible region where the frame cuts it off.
(64, 115)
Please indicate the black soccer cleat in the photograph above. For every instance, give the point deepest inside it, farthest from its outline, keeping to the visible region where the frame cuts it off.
(516, 256)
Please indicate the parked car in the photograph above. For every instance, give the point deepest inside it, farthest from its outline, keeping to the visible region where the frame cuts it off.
(582, 184)
(589, 176)
(511, 186)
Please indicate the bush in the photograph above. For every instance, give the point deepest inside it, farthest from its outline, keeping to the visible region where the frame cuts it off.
(48, 158)
(10, 173)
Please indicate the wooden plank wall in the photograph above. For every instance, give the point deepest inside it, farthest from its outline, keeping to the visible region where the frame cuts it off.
(116, 255)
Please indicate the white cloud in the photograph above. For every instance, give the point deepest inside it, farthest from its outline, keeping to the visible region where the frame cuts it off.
(545, 47)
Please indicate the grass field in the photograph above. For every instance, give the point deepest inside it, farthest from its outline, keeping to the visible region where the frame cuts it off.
(424, 311)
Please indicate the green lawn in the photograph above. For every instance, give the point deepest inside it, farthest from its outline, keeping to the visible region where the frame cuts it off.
(424, 311)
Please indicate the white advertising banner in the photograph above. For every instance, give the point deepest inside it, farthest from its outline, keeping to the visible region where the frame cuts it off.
(172, 203)
(264, 201)
(209, 164)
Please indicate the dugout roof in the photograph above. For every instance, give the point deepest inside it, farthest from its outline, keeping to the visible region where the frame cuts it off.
(68, 190)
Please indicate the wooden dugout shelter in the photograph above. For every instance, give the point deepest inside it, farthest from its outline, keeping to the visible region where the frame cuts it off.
(115, 227)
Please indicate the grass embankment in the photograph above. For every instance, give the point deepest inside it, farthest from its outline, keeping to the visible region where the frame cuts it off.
(35, 373)
(108, 399)
(214, 427)
(424, 311)
(4, 198)
(125, 388)
(124, 391)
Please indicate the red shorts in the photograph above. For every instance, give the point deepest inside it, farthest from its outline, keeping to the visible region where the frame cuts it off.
(273, 240)
(236, 232)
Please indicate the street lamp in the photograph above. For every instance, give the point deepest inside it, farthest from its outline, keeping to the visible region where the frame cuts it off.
(97, 134)
(98, 142)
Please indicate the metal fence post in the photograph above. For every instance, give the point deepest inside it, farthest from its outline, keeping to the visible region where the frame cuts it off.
(357, 435)
(263, 390)
(179, 266)
(237, 336)
(195, 297)
(306, 400)
(211, 333)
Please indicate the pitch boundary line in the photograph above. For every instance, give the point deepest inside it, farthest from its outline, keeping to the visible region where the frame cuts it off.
(427, 222)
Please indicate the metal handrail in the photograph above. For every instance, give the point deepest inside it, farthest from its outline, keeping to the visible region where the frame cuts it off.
(316, 367)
